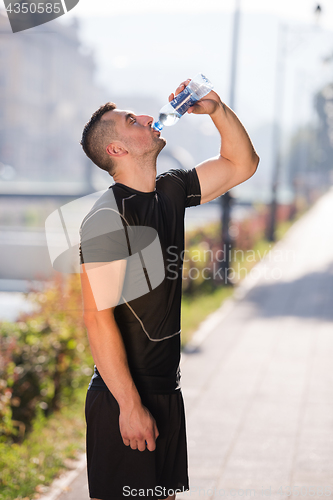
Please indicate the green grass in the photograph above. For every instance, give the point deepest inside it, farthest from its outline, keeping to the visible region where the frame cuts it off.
(26, 468)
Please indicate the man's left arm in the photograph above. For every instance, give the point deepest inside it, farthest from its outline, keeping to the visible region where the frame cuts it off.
(237, 160)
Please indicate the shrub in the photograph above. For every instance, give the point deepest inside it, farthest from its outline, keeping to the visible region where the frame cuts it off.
(202, 260)
(43, 356)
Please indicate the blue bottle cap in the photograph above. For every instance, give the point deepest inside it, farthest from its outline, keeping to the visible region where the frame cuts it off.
(157, 126)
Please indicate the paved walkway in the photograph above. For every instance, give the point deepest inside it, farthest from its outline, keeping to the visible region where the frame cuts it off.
(258, 389)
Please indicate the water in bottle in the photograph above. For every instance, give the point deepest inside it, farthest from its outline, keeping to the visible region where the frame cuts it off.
(195, 90)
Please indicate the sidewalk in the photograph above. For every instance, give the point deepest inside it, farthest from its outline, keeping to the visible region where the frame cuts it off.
(258, 388)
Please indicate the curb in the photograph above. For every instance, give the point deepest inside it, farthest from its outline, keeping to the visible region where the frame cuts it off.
(213, 319)
(61, 483)
(207, 326)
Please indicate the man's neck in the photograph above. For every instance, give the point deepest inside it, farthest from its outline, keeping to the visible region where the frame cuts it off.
(141, 179)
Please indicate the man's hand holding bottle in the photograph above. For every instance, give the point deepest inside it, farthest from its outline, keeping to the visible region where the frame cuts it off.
(207, 105)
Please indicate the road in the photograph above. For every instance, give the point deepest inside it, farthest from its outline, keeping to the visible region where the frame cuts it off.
(258, 386)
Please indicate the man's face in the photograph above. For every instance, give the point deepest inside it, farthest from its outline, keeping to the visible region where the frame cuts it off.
(136, 132)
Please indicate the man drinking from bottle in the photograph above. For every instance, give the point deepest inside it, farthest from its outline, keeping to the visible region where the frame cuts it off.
(136, 432)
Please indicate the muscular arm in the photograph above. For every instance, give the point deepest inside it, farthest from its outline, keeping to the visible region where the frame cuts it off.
(99, 297)
(237, 160)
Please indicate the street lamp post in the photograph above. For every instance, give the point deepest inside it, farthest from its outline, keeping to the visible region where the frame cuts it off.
(278, 113)
(226, 198)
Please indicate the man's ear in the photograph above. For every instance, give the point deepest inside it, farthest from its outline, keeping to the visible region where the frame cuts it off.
(116, 149)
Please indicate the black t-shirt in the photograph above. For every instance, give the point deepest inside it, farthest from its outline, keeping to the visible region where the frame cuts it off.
(146, 229)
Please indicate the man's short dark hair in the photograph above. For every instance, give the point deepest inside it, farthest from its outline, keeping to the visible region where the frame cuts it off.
(94, 136)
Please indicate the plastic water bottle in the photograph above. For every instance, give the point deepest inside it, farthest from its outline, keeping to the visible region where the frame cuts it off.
(195, 90)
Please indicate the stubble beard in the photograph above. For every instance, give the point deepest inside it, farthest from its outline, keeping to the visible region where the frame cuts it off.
(147, 160)
(159, 144)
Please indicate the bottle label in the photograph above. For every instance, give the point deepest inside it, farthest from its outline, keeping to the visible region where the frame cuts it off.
(183, 101)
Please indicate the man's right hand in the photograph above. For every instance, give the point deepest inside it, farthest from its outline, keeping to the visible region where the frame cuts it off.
(138, 426)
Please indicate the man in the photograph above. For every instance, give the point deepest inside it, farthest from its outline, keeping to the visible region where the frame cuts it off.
(136, 436)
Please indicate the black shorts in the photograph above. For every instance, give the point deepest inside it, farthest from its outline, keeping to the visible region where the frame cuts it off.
(115, 471)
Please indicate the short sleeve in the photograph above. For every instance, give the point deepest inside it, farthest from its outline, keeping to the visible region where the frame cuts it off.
(103, 237)
(186, 182)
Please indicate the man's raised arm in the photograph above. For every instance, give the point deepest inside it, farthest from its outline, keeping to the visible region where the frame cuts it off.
(237, 160)
(101, 289)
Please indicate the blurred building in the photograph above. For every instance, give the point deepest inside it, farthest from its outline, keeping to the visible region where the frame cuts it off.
(47, 93)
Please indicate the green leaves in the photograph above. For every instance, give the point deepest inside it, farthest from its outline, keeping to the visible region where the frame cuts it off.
(42, 356)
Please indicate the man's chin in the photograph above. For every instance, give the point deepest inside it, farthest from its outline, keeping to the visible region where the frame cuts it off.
(161, 144)
(163, 141)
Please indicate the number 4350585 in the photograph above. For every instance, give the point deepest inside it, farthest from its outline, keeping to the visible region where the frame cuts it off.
(34, 8)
